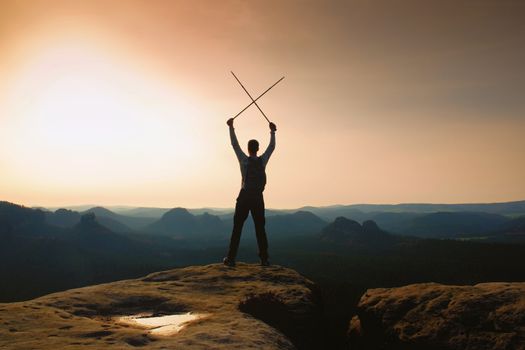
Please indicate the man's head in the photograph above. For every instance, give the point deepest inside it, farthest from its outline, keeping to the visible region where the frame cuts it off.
(253, 147)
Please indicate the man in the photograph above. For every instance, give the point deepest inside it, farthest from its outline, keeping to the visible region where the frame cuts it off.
(250, 197)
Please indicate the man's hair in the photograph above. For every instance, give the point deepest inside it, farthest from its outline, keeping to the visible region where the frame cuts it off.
(253, 146)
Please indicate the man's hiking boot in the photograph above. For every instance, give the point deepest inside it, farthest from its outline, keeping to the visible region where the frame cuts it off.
(228, 262)
(265, 262)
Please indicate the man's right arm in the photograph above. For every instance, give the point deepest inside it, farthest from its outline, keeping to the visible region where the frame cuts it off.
(235, 143)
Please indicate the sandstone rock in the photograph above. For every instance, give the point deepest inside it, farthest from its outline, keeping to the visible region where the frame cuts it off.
(87, 317)
(487, 316)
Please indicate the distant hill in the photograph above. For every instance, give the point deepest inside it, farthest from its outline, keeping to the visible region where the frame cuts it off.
(454, 224)
(118, 222)
(63, 218)
(100, 211)
(84, 231)
(512, 231)
(516, 225)
(351, 233)
(37, 257)
(16, 219)
(358, 211)
(144, 212)
(392, 217)
(68, 218)
(330, 213)
(298, 223)
(394, 222)
(503, 208)
(17, 215)
(281, 226)
(90, 234)
(156, 213)
(180, 223)
(287, 223)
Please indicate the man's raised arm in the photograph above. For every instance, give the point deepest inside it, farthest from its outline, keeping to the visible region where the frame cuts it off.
(235, 143)
(269, 150)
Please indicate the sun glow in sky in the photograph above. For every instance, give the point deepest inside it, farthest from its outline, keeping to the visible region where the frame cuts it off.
(125, 102)
(81, 119)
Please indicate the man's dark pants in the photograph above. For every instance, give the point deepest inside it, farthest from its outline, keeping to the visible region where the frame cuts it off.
(254, 203)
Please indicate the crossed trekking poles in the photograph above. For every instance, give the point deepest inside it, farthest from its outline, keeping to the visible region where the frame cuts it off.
(254, 101)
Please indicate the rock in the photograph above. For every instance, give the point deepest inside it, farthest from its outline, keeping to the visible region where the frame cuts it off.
(88, 219)
(180, 223)
(350, 233)
(239, 302)
(487, 316)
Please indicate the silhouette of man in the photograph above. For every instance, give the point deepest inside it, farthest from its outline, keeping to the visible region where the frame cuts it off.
(250, 197)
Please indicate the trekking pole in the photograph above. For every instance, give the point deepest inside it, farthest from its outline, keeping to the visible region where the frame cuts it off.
(250, 97)
(261, 95)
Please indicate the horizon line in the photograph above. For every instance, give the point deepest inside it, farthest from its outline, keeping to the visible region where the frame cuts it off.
(127, 206)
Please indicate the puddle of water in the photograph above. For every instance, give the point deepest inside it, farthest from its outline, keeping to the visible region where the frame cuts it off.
(161, 325)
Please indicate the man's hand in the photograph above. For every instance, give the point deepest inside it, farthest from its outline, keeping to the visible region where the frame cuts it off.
(273, 127)
(230, 122)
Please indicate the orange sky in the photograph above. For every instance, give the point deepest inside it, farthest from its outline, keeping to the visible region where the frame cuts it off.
(125, 102)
